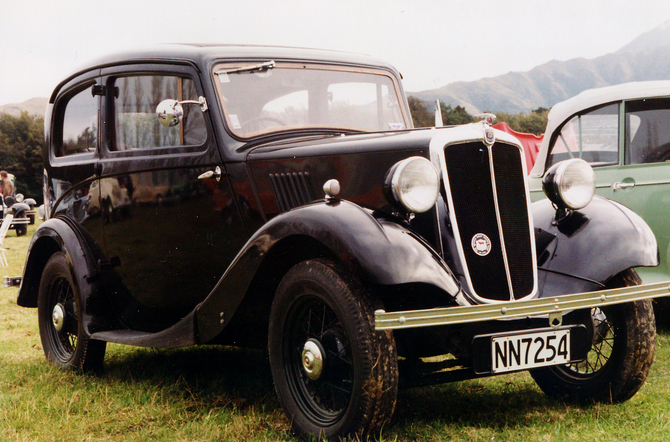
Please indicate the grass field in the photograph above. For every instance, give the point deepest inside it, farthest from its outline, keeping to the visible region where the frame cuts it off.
(226, 394)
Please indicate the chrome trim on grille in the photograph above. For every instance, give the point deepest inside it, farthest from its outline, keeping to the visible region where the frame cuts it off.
(475, 133)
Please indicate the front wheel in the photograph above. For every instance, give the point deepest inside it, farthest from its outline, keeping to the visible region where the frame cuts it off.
(334, 374)
(59, 316)
(621, 354)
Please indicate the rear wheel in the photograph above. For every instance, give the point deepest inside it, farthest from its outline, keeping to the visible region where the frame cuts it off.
(59, 316)
(334, 374)
(621, 354)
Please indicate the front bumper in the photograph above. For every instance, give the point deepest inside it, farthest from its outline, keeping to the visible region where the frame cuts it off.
(554, 307)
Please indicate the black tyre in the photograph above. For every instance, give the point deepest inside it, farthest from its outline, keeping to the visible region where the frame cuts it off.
(333, 373)
(624, 340)
(59, 315)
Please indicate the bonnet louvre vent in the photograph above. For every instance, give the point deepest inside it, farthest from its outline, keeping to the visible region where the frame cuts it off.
(291, 189)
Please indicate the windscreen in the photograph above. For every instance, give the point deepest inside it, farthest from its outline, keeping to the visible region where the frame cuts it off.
(286, 97)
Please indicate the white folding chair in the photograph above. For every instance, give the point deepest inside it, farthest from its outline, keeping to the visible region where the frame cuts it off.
(6, 222)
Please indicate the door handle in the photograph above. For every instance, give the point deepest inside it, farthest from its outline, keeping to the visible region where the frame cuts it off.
(216, 173)
(622, 185)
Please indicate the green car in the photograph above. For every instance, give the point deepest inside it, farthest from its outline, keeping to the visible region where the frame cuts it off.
(623, 132)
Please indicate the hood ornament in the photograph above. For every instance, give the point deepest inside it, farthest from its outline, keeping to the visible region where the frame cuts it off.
(486, 120)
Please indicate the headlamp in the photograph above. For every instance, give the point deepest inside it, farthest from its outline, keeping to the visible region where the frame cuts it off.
(412, 185)
(570, 184)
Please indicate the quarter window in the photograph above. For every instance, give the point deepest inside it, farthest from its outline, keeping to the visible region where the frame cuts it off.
(648, 131)
(592, 136)
(135, 122)
(80, 125)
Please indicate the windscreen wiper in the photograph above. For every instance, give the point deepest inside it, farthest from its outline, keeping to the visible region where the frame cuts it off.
(253, 68)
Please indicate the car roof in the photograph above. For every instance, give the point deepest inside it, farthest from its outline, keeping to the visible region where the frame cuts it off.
(593, 98)
(202, 54)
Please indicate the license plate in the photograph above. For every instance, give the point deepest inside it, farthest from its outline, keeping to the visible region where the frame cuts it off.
(530, 350)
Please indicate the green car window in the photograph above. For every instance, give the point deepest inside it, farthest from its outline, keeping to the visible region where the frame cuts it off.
(648, 131)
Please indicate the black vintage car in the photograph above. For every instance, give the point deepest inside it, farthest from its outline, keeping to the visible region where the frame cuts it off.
(279, 198)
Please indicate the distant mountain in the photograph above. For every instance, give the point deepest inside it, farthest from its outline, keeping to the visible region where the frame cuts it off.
(645, 58)
(34, 106)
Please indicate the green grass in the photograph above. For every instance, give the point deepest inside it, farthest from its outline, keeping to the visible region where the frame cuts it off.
(225, 394)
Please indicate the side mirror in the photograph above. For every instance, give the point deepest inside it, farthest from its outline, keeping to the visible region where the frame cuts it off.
(169, 112)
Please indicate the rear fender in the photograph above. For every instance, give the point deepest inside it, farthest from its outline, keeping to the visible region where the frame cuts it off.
(59, 235)
(589, 247)
(376, 251)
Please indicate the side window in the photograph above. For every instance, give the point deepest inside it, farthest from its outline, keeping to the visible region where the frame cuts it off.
(135, 122)
(648, 131)
(80, 125)
(592, 136)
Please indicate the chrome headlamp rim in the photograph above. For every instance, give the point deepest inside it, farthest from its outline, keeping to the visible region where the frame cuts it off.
(559, 179)
(402, 186)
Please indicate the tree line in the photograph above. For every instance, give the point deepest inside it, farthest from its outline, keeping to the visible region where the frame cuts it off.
(21, 141)
(423, 115)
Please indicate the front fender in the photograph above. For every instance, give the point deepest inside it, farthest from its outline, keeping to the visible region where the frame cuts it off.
(377, 252)
(582, 252)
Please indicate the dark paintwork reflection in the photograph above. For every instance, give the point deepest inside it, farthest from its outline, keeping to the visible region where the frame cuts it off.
(171, 237)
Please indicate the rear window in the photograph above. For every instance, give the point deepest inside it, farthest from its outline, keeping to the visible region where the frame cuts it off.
(79, 132)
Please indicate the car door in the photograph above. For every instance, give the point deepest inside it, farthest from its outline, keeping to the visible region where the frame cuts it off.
(642, 183)
(169, 234)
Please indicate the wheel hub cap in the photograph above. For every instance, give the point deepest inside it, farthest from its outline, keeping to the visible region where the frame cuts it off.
(58, 317)
(312, 359)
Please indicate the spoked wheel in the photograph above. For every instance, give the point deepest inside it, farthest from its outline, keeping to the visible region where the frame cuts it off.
(621, 354)
(334, 374)
(64, 342)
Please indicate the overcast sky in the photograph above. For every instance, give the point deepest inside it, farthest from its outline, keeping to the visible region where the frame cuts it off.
(431, 42)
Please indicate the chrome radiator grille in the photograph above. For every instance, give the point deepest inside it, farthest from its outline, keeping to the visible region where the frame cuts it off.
(491, 215)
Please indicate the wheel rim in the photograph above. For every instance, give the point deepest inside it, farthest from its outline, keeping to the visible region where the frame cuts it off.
(602, 348)
(63, 324)
(317, 359)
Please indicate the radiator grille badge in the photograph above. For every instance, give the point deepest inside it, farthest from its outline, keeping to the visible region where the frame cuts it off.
(481, 244)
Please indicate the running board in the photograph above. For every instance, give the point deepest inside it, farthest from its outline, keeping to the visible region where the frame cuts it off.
(182, 334)
(517, 309)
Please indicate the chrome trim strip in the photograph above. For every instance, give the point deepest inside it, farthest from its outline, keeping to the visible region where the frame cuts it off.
(517, 309)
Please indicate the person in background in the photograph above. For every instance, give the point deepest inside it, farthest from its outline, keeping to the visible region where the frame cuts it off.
(7, 185)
